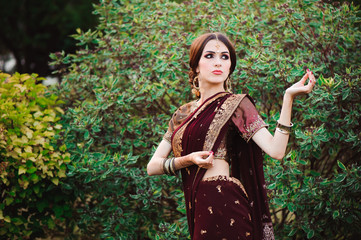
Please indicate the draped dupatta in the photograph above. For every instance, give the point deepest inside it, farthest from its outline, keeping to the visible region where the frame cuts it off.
(202, 130)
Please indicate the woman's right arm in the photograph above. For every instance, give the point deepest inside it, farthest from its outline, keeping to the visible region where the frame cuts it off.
(203, 159)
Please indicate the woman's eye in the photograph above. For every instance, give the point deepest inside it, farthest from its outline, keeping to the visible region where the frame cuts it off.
(209, 55)
(225, 57)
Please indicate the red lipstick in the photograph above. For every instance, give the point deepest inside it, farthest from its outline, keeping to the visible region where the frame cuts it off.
(217, 72)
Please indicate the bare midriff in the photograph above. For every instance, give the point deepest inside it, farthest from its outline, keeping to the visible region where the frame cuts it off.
(220, 167)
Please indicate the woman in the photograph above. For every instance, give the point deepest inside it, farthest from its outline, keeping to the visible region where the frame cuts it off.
(218, 131)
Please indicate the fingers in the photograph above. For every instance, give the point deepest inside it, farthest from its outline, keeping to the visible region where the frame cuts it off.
(204, 159)
(204, 153)
(312, 81)
(311, 76)
(304, 78)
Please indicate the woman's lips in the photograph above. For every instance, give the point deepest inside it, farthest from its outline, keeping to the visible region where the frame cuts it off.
(217, 72)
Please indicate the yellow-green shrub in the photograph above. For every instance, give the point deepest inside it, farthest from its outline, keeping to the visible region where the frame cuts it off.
(31, 164)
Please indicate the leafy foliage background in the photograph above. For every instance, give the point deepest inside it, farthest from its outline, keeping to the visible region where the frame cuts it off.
(130, 74)
(32, 161)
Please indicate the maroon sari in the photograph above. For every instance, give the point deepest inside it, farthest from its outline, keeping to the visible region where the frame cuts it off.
(236, 213)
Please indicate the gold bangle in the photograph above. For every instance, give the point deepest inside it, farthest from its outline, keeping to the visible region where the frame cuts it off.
(166, 166)
(163, 164)
(284, 127)
(282, 131)
(172, 166)
(169, 166)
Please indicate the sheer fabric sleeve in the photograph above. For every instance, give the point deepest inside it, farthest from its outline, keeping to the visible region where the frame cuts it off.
(247, 120)
(168, 135)
(178, 118)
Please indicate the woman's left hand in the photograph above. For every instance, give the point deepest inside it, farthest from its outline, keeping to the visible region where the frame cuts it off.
(299, 88)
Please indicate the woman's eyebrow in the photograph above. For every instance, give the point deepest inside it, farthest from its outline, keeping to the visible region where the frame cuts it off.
(215, 52)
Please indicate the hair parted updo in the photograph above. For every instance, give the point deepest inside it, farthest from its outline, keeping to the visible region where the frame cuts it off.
(196, 51)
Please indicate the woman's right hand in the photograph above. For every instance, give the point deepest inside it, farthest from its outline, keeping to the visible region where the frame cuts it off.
(301, 87)
(203, 159)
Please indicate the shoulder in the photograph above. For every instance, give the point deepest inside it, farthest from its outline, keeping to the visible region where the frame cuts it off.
(240, 100)
(185, 108)
(244, 97)
(188, 107)
(183, 112)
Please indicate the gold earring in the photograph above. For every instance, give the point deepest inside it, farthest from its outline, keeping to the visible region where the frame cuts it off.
(228, 85)
(196, 79)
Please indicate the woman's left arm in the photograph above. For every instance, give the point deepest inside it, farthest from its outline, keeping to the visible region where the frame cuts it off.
(276, 145)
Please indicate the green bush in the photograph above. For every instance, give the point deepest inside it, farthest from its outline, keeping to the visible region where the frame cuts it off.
(32, 163)
(130, 74)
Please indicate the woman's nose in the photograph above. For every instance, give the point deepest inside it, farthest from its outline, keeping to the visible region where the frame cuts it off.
(218, 62)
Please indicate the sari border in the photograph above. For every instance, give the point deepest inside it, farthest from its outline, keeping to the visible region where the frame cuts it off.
(220, 119)
(177, 143)
(228, 179)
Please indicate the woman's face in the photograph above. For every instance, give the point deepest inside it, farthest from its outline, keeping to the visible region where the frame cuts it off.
(214, 64)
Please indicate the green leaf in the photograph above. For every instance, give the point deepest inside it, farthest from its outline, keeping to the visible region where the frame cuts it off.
(55, 181)
(58, 210)
(293, 232)
(51, 223)
(279, 202)
(41, 205)
(34, 177)
(340, 178)
(22, 170)
(340, 164)
(31, 170)
(86, 135)
(8, 200)
(335, 214)
(7, 219)
(310, 234)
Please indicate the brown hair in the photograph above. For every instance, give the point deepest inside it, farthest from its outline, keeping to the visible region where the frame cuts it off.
(196, 51)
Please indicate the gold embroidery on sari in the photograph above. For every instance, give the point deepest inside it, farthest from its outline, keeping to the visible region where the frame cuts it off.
(167, 136)
(225, 178)
(177, 141)
(210, 210)
(178, 136)
(222, 116)
(253, 128)
(221, 152)
(232, 222)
